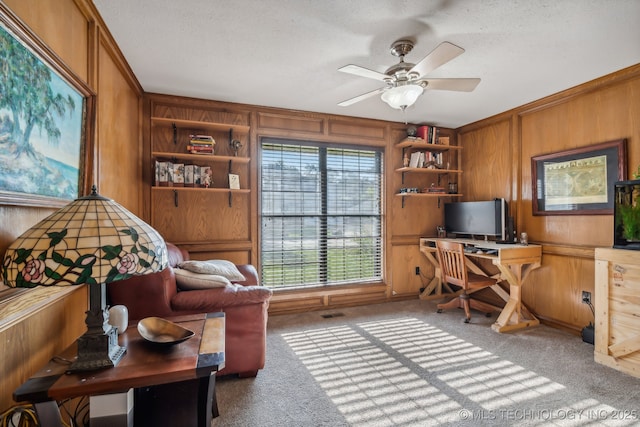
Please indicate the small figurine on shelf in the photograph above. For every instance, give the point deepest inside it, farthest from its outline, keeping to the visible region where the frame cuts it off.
(235, 145)
(405, 160)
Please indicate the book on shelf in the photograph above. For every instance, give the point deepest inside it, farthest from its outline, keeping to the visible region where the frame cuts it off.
(416, 160)
(432, 159)
(162, 173)
(200, 144)
(202, 139)
(197, 176)
(178, 174)
(189, 180)
(156, 171)
(434, 189)
(234, 181)
(200, 149)
(429, 134)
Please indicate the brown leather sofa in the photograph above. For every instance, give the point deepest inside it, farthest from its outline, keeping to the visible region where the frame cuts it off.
(245, 309)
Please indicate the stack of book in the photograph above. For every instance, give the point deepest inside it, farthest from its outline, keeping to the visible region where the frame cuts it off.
(201, 144)
(429, 134)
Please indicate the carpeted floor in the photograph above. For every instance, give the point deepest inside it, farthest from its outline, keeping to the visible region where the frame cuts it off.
(402, 364)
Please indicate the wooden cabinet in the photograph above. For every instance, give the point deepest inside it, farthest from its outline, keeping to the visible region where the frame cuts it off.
(437, 170)
(617, 304)
(209, 216)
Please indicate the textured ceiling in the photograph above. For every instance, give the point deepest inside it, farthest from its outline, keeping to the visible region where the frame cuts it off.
(285, 53)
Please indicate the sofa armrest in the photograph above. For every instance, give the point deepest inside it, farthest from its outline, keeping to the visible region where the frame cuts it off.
(250, 274)
(209, 300)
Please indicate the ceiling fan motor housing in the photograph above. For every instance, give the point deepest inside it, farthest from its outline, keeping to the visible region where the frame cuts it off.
(401, 47)
(400, 72)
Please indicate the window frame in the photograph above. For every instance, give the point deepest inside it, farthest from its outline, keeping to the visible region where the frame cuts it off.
(380, 153)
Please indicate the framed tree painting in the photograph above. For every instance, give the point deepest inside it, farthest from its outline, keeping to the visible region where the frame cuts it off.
(578, 181)
(46, 122)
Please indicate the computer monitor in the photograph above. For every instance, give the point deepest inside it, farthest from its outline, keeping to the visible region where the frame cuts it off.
(485, 218)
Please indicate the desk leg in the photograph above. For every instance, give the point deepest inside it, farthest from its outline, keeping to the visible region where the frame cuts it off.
(515, 315)
(48, 414)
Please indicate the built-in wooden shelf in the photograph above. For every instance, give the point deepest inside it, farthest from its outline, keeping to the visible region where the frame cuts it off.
(427, 170)
(204, 189)
(428, 195)
(199, 157)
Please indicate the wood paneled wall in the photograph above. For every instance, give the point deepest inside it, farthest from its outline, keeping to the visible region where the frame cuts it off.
(34, 329)
(232, 232)
(76, 33)
(497, 163)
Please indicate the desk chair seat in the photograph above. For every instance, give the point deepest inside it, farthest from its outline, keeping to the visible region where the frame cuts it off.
(454, 271)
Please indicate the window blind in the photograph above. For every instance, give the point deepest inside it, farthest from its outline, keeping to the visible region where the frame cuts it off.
(321, 221)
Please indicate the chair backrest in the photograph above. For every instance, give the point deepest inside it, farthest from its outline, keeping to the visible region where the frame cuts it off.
(451, 260)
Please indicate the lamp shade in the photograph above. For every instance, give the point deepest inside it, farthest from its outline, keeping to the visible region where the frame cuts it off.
(401, 97)
(91, 240)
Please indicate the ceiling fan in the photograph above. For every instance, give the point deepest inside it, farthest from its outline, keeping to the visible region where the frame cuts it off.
(405, 81)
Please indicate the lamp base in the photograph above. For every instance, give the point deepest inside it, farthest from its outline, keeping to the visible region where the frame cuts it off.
(97, 351)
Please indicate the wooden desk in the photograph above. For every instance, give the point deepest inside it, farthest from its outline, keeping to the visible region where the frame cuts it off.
(192, 364)
(514, 262)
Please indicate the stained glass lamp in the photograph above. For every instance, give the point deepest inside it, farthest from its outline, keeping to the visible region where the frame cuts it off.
(91, 241)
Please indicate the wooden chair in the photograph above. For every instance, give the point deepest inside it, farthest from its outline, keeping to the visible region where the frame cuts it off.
(452, 264)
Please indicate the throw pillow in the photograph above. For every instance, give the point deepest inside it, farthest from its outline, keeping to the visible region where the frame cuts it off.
(220, 267)
(188, 280)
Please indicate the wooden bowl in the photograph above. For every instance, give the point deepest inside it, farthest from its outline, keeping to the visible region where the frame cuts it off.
(162, 332)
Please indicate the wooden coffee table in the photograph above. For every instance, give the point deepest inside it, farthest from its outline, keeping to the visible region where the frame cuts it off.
(158, 375)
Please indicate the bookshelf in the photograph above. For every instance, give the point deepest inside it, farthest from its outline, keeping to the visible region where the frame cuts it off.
(202, 212)
(170, 138)
(439, 162)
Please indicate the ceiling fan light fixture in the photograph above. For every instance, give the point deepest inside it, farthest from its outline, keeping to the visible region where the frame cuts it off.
(401, 97)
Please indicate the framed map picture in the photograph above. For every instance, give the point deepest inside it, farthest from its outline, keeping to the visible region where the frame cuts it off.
(578, 181)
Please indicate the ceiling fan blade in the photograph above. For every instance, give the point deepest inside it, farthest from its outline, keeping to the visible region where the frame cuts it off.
(442, 54)
(363, 72)
(361, 97)
(459, 85)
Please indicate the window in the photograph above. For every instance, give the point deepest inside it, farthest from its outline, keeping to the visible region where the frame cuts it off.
(321, 221)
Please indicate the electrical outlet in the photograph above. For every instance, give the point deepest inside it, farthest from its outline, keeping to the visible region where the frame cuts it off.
(417, 270)
(586, 297)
